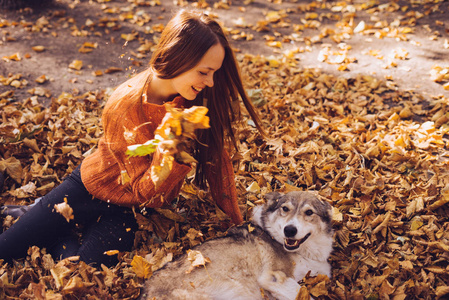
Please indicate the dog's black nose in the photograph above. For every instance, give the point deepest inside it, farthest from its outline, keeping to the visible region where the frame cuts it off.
(290, 231)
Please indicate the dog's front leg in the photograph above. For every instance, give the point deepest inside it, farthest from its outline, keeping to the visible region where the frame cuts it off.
(279, 285)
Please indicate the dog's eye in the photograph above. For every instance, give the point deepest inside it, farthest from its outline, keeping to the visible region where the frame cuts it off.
(309, 212)
(285, 208)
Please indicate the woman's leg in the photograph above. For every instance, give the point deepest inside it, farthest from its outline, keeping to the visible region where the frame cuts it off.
(114, 230)
(42, 225)
(65, 247)
(106, 226)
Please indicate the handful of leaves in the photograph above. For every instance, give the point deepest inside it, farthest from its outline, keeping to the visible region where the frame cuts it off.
(172, 136)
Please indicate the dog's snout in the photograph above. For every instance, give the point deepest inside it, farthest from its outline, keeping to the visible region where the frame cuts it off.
(290, 231)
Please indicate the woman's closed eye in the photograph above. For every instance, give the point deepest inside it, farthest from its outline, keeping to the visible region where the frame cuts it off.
(203, 73)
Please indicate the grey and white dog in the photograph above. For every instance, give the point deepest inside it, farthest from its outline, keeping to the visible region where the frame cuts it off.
(289, 235)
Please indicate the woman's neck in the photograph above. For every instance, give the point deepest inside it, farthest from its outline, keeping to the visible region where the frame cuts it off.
(159, 90)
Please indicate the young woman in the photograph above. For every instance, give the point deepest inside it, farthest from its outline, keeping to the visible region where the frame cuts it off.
(192, 65)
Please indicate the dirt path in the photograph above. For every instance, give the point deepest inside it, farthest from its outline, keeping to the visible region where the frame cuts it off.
(414, 39)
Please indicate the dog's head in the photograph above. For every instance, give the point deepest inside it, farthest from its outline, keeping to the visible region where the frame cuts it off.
(295, 219)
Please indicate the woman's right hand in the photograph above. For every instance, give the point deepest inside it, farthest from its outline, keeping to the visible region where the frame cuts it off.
(168, 147)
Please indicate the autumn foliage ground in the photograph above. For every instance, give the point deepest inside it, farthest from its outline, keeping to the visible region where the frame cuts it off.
(366, 131)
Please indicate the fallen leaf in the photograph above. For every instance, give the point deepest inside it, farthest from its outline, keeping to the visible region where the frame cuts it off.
(38, 48)
(141, 267)
(196, 259)
(76, 65)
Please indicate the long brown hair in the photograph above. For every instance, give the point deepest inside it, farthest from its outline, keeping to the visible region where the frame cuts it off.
(184, 41)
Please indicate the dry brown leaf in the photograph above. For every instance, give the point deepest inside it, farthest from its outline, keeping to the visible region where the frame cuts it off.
(113, 70)
(196, 259)
(13, 168)
(303, 294)
(65, 210)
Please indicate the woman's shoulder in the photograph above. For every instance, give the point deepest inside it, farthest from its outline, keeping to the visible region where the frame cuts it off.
(134, 85)
(128, 92)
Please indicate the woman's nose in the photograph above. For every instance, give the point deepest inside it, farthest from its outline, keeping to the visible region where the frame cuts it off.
(209, 81)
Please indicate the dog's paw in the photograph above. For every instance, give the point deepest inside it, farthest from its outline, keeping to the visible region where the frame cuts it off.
(279, 277)
(279, 285)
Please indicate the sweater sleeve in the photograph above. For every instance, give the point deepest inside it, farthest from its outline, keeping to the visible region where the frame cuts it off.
(224, 191)
(121, 129)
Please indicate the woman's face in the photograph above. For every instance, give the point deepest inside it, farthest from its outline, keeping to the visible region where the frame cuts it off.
(193, 81)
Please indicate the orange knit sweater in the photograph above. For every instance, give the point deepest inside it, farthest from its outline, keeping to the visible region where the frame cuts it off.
(111, 175)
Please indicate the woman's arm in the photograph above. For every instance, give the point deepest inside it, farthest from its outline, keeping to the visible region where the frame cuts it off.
(123, 126)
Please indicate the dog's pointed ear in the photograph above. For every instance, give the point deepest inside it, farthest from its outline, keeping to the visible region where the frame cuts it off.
(273, 201)
(273, 196)
(257, 211)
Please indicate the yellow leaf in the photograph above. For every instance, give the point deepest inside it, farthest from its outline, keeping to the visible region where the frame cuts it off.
(38, 48)
(141, 267)
(196, 259)
(197, 115)
(41, 79)
(441, 291)
(160, 173)
(15, 56)
(85, 50)
(129, 37)
(407, 30)
(273, 16)
(319, 289)
(416, 223)
(111, 252)
(274, 63)
(360, 27)
(303, 294)
(74, 284)
(171, 123)
(311, 16)
(253, 188)
(124, 177)
(76, 65)
(275, 44)
(112, 70)
(342, 67)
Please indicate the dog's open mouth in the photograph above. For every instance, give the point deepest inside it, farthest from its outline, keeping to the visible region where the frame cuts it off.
(292, 244)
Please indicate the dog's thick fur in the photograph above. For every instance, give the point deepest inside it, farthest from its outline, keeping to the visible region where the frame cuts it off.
(289, 236)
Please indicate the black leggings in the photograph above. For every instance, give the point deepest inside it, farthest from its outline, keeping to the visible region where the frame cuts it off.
(103, 227)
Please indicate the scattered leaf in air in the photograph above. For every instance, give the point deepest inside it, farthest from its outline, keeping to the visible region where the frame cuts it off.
(65, 210)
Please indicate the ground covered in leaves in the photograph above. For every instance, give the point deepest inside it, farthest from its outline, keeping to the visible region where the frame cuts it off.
(378, 156)
(376, 153)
